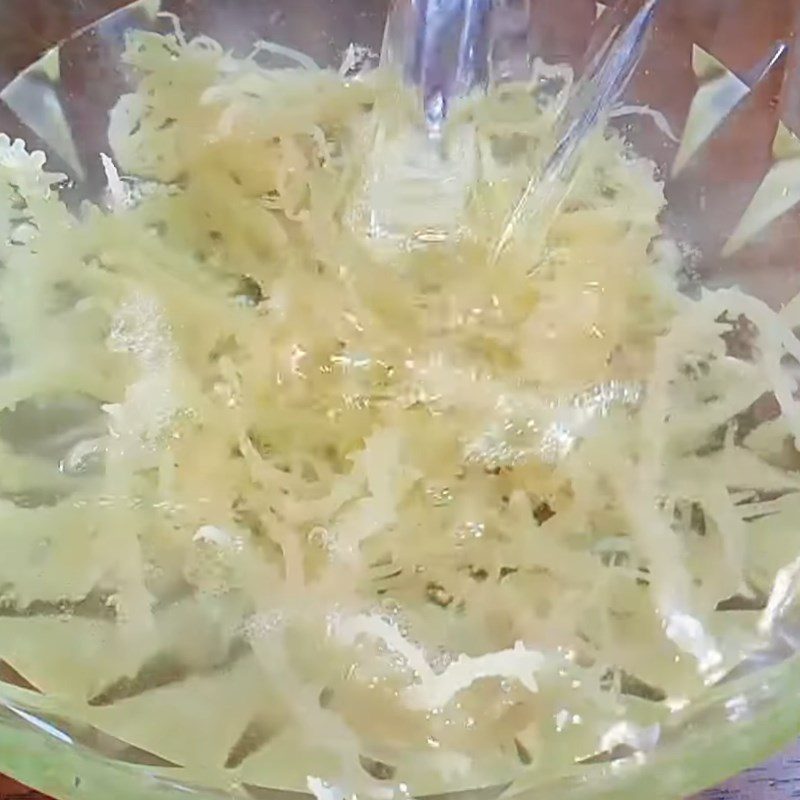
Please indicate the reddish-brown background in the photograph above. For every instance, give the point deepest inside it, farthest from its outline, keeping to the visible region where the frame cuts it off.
(10, 790)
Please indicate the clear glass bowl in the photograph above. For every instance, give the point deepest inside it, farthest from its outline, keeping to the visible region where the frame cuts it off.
(720, 75)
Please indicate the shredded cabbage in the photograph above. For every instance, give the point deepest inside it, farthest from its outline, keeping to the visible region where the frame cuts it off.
(283, 497)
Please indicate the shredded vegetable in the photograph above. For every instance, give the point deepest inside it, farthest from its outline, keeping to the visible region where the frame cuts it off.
(287, 495)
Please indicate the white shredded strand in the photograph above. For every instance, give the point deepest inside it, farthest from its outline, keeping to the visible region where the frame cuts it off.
(436, 691)
(433, 691)
(301, 59)
(116, 188)
(646, 111)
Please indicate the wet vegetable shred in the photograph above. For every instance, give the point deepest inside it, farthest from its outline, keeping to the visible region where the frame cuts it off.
(339, 502)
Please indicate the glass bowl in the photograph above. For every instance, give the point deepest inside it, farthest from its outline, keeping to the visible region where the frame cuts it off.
(714, 103)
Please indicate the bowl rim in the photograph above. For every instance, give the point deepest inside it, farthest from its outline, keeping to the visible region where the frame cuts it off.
(36, 753)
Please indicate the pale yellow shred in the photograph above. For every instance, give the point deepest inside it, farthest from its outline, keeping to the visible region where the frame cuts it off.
(413, 514)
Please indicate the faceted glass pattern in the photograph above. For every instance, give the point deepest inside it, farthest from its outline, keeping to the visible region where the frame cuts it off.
(715, 102)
